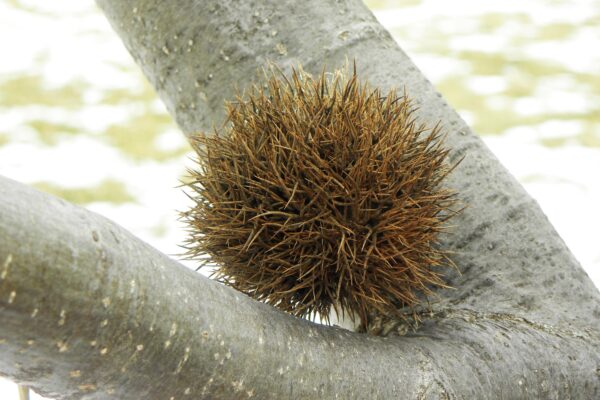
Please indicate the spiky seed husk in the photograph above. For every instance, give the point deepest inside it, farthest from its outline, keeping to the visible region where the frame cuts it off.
(322, 193)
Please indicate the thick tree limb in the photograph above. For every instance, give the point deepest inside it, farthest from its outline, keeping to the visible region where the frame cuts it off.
(89, 311)
(106, 315)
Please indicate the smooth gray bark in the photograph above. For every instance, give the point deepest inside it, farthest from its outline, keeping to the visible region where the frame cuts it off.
(116, 318)
(89, 311)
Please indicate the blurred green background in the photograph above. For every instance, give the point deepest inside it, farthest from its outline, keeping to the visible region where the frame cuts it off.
(79, 120)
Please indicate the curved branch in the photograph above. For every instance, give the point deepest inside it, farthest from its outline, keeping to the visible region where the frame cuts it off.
(107, 316)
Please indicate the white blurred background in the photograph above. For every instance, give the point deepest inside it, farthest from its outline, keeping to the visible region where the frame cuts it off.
(78, 119)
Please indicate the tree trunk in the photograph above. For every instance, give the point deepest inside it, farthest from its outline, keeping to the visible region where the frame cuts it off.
(106, 316)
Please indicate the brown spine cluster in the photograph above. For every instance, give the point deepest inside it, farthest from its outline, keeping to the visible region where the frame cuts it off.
(320, 194)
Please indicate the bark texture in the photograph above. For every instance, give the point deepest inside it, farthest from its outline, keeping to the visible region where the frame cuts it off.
(89, 311)
(106, 316)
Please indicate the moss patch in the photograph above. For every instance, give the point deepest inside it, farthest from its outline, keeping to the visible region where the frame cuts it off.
(588, 79)
(490, 22)
(137, 137)
(50, 132)
(118, 96)
(496, 64)
(487, 120)
(109, 190)
(538, 68)
(26, 90)
(588, 138)
(490, 120)
(553, 142)
(484, 63)
(556, 31)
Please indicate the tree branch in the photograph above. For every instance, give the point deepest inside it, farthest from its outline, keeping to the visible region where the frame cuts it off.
(107, 316)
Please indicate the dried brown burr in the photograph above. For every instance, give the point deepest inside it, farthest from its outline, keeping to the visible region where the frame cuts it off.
(322, 194)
